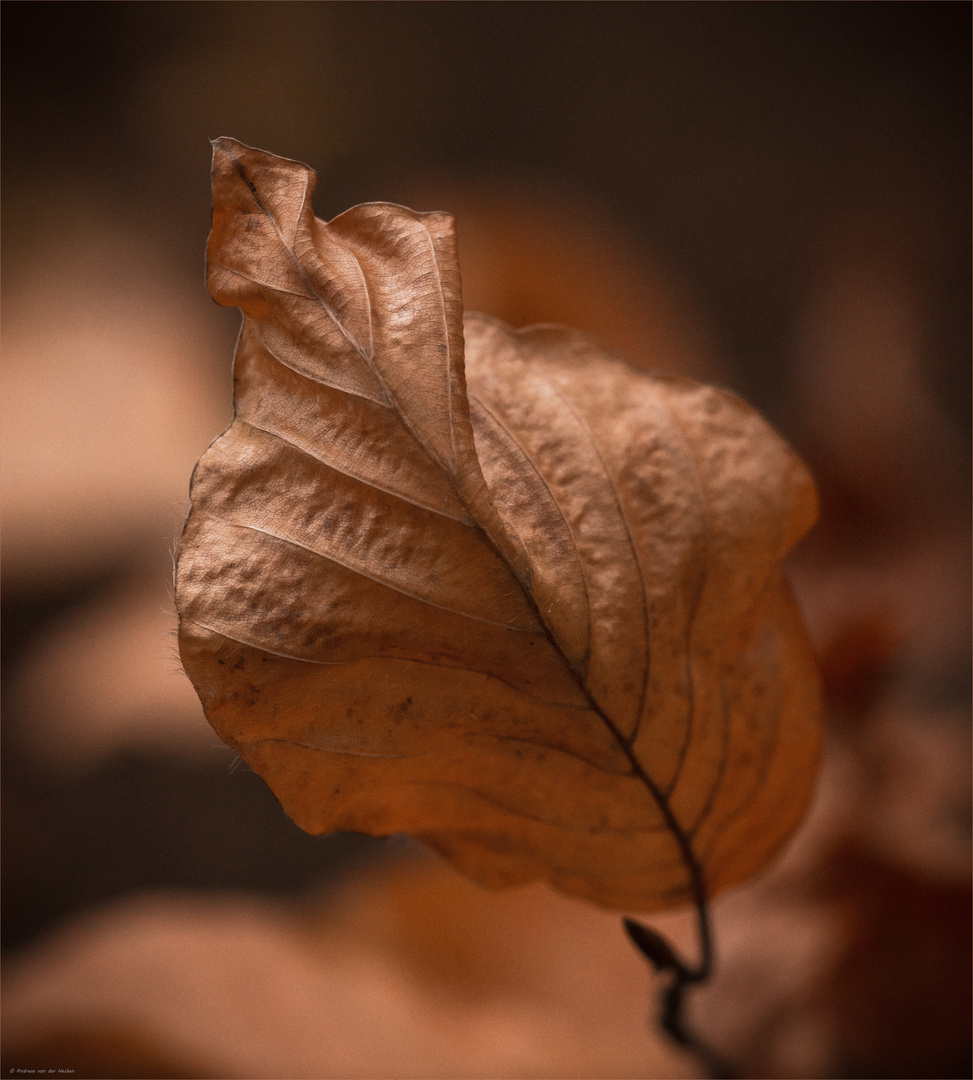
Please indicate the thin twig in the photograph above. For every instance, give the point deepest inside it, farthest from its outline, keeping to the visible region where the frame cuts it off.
(663, 957)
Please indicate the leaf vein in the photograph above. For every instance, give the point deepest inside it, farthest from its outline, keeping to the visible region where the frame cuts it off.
(646, 667)
(595, 829)
(530, 461)
(357, 477)
(316, 379)
(347, 565)
(703, 581)
(314, 294)
(392, 659)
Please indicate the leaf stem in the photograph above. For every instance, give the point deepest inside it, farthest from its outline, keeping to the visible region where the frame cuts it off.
(650, 942)
(655, 947)
(660, 953)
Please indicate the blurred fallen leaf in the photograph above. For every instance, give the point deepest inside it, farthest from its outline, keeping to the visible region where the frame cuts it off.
(105, 1050)
(413, 609)
(899, 997)
(107, 678)
(408, 972)
(109, 393)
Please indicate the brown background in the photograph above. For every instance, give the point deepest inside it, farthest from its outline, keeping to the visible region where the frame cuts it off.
(772, 196)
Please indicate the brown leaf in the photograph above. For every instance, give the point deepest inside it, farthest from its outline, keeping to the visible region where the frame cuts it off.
(539, 623)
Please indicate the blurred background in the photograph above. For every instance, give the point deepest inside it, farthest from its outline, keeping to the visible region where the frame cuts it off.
(773, 197)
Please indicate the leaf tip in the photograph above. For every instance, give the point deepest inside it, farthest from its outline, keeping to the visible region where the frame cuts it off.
(225, 147)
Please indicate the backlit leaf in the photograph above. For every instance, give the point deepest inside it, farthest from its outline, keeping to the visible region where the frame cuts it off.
(525, 603)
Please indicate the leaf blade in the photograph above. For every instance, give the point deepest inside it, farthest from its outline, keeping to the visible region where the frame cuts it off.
(528, 620)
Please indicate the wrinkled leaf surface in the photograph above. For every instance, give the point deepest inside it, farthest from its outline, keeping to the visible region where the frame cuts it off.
(525, 603)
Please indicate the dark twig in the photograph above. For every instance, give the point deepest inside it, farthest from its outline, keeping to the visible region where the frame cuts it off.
(663, 958)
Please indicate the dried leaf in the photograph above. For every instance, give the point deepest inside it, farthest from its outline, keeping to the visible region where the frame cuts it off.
(528, 607)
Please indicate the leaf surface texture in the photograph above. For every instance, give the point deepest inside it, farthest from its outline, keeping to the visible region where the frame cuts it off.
(494, 588)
